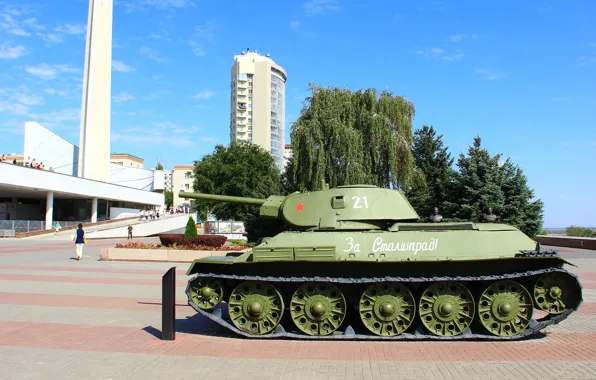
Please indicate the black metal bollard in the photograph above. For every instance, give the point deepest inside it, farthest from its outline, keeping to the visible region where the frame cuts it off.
(168, 305)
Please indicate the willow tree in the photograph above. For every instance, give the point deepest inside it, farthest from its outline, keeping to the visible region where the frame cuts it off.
(347, 137)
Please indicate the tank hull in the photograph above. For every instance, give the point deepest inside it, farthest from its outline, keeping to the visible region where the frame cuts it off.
(415, 282)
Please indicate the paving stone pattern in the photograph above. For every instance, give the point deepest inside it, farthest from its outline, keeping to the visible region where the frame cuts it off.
(65, 319)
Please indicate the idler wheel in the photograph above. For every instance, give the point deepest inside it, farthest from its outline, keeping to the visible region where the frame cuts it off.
(446, 308)
(318, 308)
(557, 292)
(387, 309)
(505, 308)
(205, 292)
(255, 307)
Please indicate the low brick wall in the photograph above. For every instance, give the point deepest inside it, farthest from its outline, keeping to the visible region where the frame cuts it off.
(567, 241)
(157, 255)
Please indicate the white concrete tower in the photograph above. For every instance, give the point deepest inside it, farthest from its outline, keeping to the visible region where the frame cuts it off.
(94, 147)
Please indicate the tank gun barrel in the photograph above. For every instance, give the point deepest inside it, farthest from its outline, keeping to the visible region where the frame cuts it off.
(222, 198)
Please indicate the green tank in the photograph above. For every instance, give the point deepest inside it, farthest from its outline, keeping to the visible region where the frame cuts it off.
(354, 263)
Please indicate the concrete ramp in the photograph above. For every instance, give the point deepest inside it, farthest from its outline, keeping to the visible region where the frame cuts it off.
(144, 229)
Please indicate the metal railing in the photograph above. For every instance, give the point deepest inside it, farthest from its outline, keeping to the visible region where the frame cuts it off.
(20, 226)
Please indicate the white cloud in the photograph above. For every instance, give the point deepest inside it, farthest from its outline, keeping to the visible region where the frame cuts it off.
(158, 4)
(162, 35)
(316, 7)
(13, 108)
(12, 21)
(455, 38)
(156, 94)
(10, 51)
(161, 133)
(585, 60)
(67, 114)
(121, 67)
(68, 118)
(28, 99)
(72, 29)
(205, 94)
(152, 54)
(17, 101)
(45, 71)
(438, 53)
(139, 139)
(558, 99)
(490, 74)
(294, 24)
(204, 33)
(211, 139)
(122, 97)
(189, 130)
(12, 126)
(52, 38)
(53, 91)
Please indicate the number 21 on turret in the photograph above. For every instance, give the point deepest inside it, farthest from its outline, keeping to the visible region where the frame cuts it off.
(357, 202)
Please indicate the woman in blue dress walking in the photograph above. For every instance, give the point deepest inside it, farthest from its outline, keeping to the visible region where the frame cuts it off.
(80, 241)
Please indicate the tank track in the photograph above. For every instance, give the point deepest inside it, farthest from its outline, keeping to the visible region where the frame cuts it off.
(420, 333)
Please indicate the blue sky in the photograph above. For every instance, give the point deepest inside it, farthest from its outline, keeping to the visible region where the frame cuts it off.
(519, 74)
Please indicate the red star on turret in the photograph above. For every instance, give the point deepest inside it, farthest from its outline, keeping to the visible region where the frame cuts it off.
(299, 207)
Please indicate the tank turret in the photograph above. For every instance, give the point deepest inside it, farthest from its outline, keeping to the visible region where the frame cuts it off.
(354, 207)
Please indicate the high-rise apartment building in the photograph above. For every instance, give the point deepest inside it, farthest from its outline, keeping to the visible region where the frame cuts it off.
(257, 103)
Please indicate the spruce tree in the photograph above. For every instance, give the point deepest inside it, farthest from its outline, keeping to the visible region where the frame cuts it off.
(433, 164)
(519, 208)
(191, 228)
(483, 182)
(476, 187)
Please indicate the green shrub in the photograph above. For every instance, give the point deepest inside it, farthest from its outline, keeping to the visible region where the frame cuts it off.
(191, 228)
(543, 232)
(579, 231)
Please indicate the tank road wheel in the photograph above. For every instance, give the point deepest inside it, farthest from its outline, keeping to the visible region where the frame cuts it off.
(505, 308)
(446, 308)
(206, 292)
(387, 309)
(255, 307)
(556, 292)
(318, 308)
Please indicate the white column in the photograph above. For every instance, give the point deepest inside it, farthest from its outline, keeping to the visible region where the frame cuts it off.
(49, 209)
(94, 145)
(94, 210)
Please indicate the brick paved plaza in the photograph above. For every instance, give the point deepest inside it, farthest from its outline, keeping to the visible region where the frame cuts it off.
(65, 319)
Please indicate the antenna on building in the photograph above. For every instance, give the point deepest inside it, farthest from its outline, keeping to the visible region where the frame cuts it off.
(247, 49)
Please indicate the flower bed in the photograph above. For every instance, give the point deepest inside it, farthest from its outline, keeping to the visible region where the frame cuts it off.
(203, 240)
(181, 247)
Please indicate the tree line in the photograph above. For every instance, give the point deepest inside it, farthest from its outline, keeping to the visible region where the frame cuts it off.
(365, 137)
